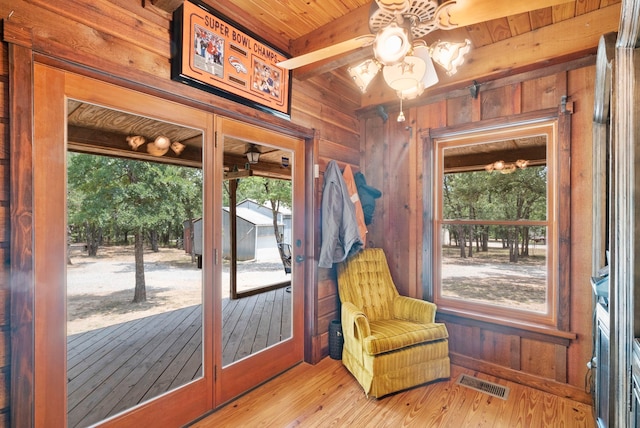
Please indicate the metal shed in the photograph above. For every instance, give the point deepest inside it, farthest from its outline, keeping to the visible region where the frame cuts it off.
(256, 239)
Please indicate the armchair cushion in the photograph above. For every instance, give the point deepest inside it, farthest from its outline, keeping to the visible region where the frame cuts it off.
(390, 335)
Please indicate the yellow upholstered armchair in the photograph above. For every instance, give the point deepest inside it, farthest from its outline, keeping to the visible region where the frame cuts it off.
(391, 342)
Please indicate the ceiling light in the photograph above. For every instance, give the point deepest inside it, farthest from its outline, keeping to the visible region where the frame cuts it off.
(253, 154)
(405, 75)
(135, 141)
(159, 146)
(408, 71)
(177, 147)
(430, 76)
(449, 55)
(506, 168)
(391, 44)
(363, 73)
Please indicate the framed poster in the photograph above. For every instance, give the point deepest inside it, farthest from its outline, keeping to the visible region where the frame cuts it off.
(214, 54)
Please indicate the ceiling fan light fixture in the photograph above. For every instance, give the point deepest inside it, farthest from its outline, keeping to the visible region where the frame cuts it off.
(450, 55)
(363, 73)
(411, 93)
(252, 154)
(392, 43)
(406, 74)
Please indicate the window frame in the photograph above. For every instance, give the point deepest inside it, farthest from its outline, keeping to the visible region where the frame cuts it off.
(556, 125)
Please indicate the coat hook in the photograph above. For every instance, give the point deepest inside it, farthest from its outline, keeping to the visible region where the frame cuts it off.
(410, 129)
(474, 89)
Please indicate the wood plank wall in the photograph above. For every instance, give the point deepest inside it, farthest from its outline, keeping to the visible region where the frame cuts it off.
(392, 161)
(127, 43)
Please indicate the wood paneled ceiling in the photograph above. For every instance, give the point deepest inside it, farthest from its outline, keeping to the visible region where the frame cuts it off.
(520, 42)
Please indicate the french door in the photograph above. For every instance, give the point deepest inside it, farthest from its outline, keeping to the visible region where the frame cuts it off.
(56, 92)
(284, 316)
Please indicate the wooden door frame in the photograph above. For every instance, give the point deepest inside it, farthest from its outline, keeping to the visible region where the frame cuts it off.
(52, 88)
(21, 206)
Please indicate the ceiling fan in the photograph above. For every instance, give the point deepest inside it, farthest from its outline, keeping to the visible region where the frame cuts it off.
(397, 27)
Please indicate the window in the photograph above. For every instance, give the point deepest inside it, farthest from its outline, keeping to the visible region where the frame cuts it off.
(495, 228)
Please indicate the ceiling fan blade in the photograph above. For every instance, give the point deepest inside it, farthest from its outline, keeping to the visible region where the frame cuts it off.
(467, 12)
(329, 51)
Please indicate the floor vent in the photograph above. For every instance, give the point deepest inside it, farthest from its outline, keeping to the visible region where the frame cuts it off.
(484, 386)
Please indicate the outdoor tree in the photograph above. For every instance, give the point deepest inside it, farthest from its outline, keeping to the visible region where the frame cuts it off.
(464, 196)
(110, 193)
(478, 195)
(277, 193)
(522, 197)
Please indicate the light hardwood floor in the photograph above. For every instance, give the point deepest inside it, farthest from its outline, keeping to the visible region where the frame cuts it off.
(326, 395)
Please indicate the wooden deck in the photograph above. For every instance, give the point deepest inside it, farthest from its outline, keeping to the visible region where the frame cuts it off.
(120, 366)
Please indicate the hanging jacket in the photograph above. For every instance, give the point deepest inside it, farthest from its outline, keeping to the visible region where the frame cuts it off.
(347, 174)
(340, 234)
(368, 196)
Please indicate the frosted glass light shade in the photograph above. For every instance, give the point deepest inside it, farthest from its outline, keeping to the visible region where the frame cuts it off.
(363, 73)
(391, 44)
(430, 76)
(405, 75)
(412, 92)
(450, 55)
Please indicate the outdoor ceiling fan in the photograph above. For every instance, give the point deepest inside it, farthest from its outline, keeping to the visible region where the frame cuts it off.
(397, 27)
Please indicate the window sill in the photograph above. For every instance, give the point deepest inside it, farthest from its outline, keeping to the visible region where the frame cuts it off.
(506, 326)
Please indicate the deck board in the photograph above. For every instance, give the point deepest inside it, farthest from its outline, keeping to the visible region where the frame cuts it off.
(120, 366)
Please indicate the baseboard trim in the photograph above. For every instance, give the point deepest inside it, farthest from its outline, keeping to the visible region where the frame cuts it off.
(543, 384)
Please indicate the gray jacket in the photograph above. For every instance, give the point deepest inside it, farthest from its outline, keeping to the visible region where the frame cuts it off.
(340, 235)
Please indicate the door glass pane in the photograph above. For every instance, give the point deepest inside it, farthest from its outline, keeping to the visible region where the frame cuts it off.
(134, 282)
(257, 234)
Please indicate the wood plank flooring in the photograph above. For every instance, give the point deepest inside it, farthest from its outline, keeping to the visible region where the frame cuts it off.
(117, 367)
(326, 395)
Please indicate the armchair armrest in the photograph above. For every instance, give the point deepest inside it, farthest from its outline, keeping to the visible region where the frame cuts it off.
(355, 327)
(410, 309)
(355, 323)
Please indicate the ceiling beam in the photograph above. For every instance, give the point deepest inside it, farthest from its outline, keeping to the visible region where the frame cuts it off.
(478, 161)
(91, 141)
(88, 140)
(349, 26)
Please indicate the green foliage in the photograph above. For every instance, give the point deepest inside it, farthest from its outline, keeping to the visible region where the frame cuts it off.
(125, 195)
(262, 190)
(494, 196)
(480, 195)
